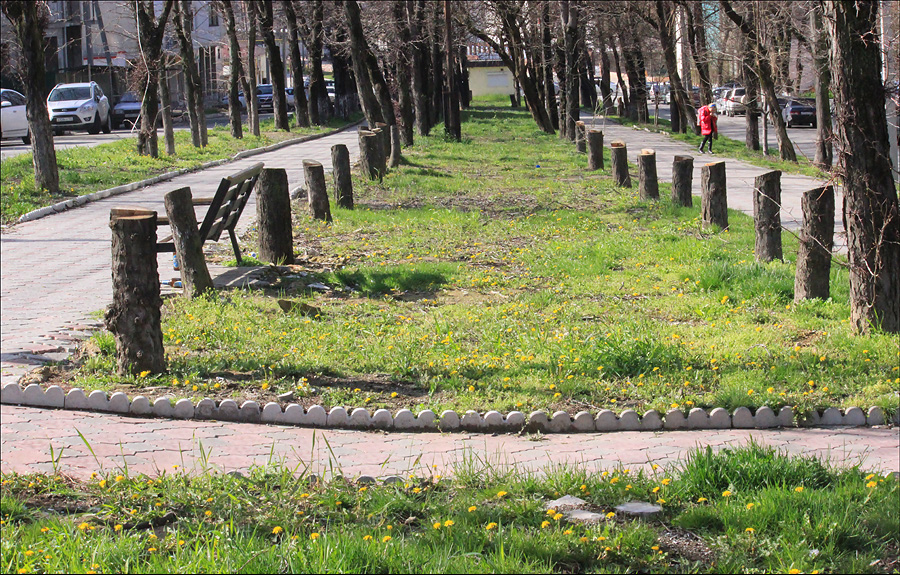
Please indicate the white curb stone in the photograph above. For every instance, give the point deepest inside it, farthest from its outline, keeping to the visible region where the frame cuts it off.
(493, 420)
(875, 416)
(366, 479)
(538, 421)
(675, 419)
(228, 410)
(606, 420)
(811, 418)
(293, 415)
(560, 423)
(651, 421)
(426, 419)
(54, 396)
(404, 420)
(382, 419)
(471, 421)
(515, 420)
(271, 413)
(206, 409)
(140, 405)
(119, 403)
(394, 479)
(583, 421)
(316, 416)
(629, 420)
(97, 400)
(896, 417)
(765, 418)
(162, 407)
(250, 412)
(12, 393)
(698, 419)
(360, 418)
(34, 395)
(76, 399)
(786, 416)
(719, 418)
(338, 417)
(184, 409)
(854, 416)
(742, 418)
(449, 421)
(832, 416)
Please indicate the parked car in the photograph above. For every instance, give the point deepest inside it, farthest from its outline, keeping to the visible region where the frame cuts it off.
(796, 111)
(79, 106)
(127, 110)
(733, 102)
(13, 122)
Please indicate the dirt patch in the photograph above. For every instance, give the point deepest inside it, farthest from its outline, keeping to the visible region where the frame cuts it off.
(685, 544)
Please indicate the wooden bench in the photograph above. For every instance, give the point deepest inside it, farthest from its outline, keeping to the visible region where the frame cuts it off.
(224, 210)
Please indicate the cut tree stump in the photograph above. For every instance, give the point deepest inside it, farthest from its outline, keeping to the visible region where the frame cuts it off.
(273, 217)
(648, 182)
(343, 183)
(816, 241)
(595, 149)
(369, 150)
(134, 317)
(384, 132)
(713, 198)
(195, 278)
(767, 216)
(319, 207)
(682, 181)
(580, 137)
(619, 160)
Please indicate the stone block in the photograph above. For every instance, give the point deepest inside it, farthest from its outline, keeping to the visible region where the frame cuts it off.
(832, 416)
(629, 420)
(583, 421)
(561, 422)
(494, 420)
(360, 418)
(366, 479)
(396, 479)
(538, 421)
(471, 421)
(404, 420)
(698, 419)
(338, 417)
(119, 403)
(54, 396)
(228, 410)
(811, 419)
(184, 409)
(97, 400)
(162, 407)
(565, 502)
(651, 421)
(719, 418)
(742, 418)
(293, 415)
(675, 419)
(206, 409)
(606, 420)
(316, 416)
(854, 416)
(896, 417)
(515, 420)
(250, 412)
(582, 516)
(271, 413)
(786, 416)
(875, 416)
(76, 399)
(140, 405)
(12, 394)
(426, 419)
(33, 395)
(638, 509)
(449, 421)
(382, 419)
(765, 418)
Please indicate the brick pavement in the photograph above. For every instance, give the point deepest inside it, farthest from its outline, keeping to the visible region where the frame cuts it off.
(152, 445)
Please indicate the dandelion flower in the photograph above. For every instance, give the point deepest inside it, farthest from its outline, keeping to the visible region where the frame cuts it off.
(702, 500)
(726, 493)
(313, 536)
(799, 489)
(277, 529)
(749, 530)
(501, 494)
(610, 515)
(367, 538)
(872, 484)
(118, 527)
(545, 524)
(449, 523)
(386, 538)
(751, 505)
(490, 526)
(472, 508)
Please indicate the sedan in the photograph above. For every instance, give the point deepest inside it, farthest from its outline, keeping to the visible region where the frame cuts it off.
(13, 122)
(127, 110)
(797, 112)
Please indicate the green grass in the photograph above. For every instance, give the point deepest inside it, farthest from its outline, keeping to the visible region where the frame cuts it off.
(471, 278)
(744, 510)
(86, 170)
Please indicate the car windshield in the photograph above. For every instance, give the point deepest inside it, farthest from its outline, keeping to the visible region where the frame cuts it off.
(264, 89)
(129, 97)
(70, 93)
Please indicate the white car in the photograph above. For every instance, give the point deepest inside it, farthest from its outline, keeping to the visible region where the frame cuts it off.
(13, 122)
(79, 107)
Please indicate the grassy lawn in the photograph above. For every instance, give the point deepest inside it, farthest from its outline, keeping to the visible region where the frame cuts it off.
(746, 510)
(86, 170)
(498, 273)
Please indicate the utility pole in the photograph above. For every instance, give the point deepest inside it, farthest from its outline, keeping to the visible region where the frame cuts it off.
(86, 21)
(451, 95)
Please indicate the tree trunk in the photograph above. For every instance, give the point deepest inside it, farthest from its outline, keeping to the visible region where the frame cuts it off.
(396, 144)
(415, 13)
(870, 198)
(648, 182)
(751, 118)
(569, 15)
(679, 95)
(250, 87)
(819, 46)
(682, 181)
(150, 34)
(816, 240)
(134, 317)
(547, 65)
(195, 278)
(342, 181)
(358, 52)
(166, 101)
(319, 207)
(184, 22)
(595, 149)
(404, 89)
(301, 108)
(320, 107)
(580, 137)
(767, 216)
(451, 96)
(346, 100)
(369, 155)
(713, 198)
(383, 132)
(619, 160)
(437, 67)
(273, 217)
(605, 89)
(697, 38)
(237, 71)
(276, 64)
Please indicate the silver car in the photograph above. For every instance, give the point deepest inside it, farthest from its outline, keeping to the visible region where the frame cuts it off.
(13, 122)
(81, 106)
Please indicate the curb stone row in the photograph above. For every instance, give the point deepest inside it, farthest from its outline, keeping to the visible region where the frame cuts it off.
(405, 420)
(125, 188)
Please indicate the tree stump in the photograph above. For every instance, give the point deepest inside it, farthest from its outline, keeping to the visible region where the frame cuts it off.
(595, 149)
(648, 182)
(383, 151)
(767, 216)
(319, 207)
(713, 198)
(580, 137)
(343, 183)
(369, 163)
(682, 181)
(395, 146)
(384, 131)
(816, 240)
(273, 217)
(619, 159)
(134, 317)
(195, 278)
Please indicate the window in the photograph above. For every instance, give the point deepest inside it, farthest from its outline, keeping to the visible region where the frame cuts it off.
(213, 16)
(14, 98)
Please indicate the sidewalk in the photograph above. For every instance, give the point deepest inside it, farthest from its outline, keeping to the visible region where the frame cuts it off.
(56, 270)
(153, 445)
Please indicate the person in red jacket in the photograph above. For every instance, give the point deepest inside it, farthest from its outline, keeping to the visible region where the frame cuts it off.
(708, 127)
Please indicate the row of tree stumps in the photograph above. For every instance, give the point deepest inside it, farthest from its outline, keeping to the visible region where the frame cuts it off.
(816, 233)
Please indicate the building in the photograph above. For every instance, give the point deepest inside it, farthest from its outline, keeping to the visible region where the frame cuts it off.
(487, 72)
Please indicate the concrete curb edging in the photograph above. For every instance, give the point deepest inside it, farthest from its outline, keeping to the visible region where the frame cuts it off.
(405, 420)
(125, 188)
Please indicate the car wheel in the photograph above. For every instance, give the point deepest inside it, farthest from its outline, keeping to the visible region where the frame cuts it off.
(58, 131)
(116, 125)
(107, 127)
(94, 128)
(26, 139)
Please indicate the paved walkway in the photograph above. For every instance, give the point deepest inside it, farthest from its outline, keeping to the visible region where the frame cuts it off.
(149, 446)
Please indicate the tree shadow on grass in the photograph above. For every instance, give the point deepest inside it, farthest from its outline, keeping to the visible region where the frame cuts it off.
(424, 284)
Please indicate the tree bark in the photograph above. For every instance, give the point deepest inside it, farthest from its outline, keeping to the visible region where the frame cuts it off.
(713, 198)
(369, 155)
(870, 198)
(276, 64)
(358, 52)
(751, 120)
(319, 207)
(320, 107)
(396, 145)
(547, 65)
(250, 85)
(580, 137)
(683, 181)
(346, 100)
(819, 45)
(184, 22)
(451, 95)
(813, 276)
(415, 13)
(343, 182)
(699, 49)
(595, 149)
(195, 278)
(150, 32)
(679, 95)
(404, 89)
(301, 107)
(273, 217)
(166, 102)
(134, 317)
(648, 181)
(767, 216)
(437, 65)
(619, 160)
(568, 11)
(237, 71)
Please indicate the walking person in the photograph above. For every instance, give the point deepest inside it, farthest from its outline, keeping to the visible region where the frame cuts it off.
(708, 127)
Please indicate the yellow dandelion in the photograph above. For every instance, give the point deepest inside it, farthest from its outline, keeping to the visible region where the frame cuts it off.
(501, 494)
(472, 508)
(437, 525)
(545, 524)
(726, 493)
(799, 489)
(490, 526)
(367, 538)
(751, 505)
(313, 536)
(449, 523)
(386, 538)
(702, 500)
(277, 529)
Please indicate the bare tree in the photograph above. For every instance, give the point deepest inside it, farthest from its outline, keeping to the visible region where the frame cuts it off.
(451, 94)
(662, 19)
(249, 87)
(301, 109)
(150, 34)
(820, 48)
(319, 106)
(266, 15)
(359, 49)
(184, 23)
(237, 70)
